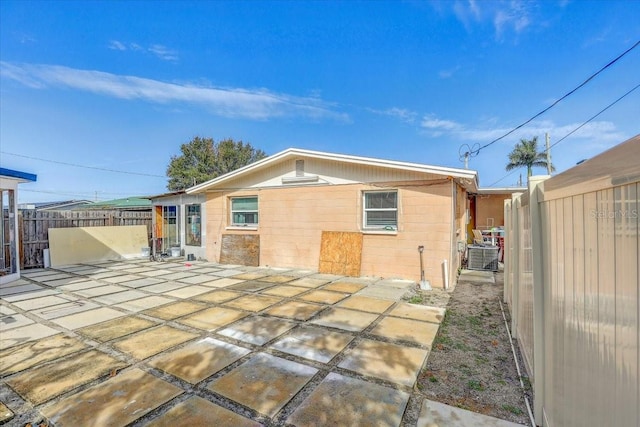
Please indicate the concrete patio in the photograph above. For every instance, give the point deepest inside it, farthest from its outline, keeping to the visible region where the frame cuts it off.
(175, 343)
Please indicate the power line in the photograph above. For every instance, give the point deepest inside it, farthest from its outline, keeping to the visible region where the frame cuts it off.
(82, 166)
(562, 98)
(579, 127)
(594, 116)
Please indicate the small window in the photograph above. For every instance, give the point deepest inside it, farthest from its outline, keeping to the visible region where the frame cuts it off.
(381, 210)
(244, 211)
(193, 225)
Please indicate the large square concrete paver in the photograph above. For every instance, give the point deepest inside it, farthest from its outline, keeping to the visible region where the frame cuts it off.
(257, 330)
(196, 280)
(101, 290)
(308, 282)
(188, 291)
(420, 333)
(251, 275)
(285, 291)
(48, 381)
(344, 401)
(253, 302)
(313, 343)
(218, 296)
(364, 303)
(64, 309)
(342, 318)
(222, 282)
(27, 333)
(27, 288)
(251, 286)
(295, 310)
(116, 328)
(199, 360)
(391, 362)
(149, 342)
(144, 303)
(418, 312)
(119, 297)
(86, 318)
(435, 414)
(323, 297)
(116, 402)
(19, 358)
(264, 383)
(278, 278)
(196, 411)
(13, 321)
(30, 295)
(175, 310)
(349, 287)
(213, 318)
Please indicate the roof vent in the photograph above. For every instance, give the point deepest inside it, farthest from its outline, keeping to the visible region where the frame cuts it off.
(299, 168)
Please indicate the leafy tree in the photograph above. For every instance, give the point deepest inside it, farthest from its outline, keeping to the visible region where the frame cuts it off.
(203, 159)
(525, 153)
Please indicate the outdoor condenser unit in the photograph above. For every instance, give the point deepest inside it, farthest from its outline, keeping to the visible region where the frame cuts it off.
(483, 258)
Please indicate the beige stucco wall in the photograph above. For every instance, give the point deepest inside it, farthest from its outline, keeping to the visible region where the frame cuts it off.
(89, 244)
(292, 220)
(490, 206)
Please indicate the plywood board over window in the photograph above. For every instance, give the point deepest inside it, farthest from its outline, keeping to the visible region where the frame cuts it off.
(243, 249)
(341, 253)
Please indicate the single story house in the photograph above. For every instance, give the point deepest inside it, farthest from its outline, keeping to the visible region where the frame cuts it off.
(486, 208)
(177, 224)
(9, 255)
(316, 210)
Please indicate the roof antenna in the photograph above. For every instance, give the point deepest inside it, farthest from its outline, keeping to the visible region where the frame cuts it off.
(465, 151)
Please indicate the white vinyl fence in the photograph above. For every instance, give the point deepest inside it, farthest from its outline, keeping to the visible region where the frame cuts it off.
(572, 283)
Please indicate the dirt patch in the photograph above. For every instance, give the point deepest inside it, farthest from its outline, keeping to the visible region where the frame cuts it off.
(471, 363)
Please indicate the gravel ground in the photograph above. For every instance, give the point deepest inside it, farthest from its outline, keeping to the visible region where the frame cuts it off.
(471, 364)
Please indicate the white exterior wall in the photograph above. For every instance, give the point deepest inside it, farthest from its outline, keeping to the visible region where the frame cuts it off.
(181, 200)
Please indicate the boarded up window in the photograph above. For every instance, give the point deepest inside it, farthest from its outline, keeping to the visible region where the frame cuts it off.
(341, 253)
(243, 249)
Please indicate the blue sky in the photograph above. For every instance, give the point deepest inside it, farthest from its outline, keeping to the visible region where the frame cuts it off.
(121, 85)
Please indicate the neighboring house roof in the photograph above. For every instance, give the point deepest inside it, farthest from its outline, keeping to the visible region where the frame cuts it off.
(467, 178)
(501, 190)
(130, 203)
(17, 175)
(59, 205)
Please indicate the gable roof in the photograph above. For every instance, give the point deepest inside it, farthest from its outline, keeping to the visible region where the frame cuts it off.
(467, 178)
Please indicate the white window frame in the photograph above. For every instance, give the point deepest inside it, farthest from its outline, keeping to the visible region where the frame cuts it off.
(365, 210)
(232, 212)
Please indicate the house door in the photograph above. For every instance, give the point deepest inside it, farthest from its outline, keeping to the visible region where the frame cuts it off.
(8, 255)
(168, 231)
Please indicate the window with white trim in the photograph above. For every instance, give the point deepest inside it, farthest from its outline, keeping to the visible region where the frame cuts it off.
(244, 211)
(380, 210)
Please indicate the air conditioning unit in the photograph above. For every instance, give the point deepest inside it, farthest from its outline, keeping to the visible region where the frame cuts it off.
(483, 258)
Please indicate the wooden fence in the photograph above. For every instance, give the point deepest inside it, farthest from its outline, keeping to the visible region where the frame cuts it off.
(34, 228)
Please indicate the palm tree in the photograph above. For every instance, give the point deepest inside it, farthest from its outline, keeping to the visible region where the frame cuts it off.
(525, 153)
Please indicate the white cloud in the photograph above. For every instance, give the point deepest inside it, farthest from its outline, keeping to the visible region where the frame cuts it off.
(604, 133)
(256, 104)
(403, 114)
(158, 50)
(116, 45)
(433, 123)
(505, 15)
(163, 52)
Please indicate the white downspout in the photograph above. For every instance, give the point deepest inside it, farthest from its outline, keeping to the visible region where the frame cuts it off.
(445, 267)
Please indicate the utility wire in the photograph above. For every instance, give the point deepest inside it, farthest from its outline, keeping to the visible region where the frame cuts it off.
(82, 166)
(560, 99)
(594, 116)
(579, 127)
